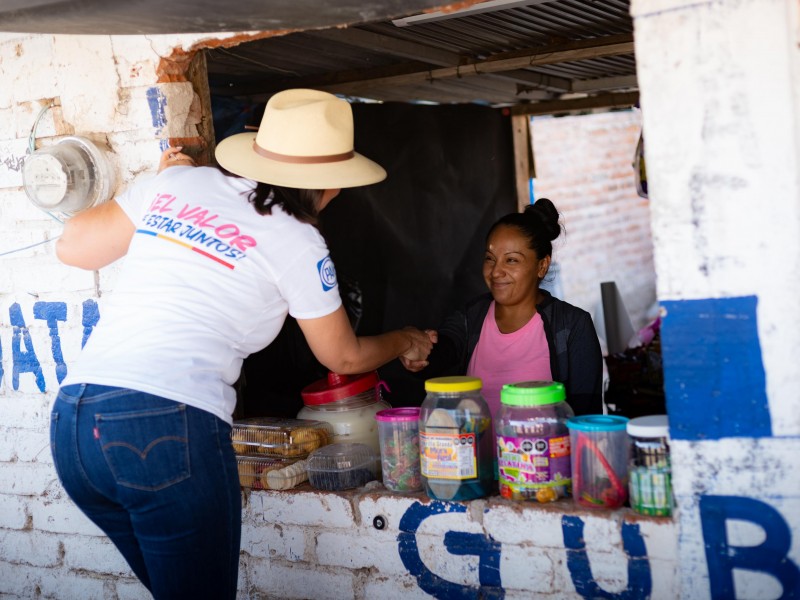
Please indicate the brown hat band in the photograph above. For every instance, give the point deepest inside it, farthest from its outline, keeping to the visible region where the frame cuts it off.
(287, 158)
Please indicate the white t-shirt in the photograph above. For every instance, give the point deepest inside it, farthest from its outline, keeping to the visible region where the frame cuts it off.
(206, 282)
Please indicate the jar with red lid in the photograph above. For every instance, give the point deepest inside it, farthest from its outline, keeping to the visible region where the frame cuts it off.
(349, 403)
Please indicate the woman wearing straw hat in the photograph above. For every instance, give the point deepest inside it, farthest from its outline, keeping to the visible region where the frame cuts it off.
(140, 430)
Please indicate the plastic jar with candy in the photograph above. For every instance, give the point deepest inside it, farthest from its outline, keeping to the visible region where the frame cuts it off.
(456, 440)
(398, 431)
(533, 443)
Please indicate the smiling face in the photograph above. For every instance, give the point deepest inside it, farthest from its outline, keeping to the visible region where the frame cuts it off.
(511, 269)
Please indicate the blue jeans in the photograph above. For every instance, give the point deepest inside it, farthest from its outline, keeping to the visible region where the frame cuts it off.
(160, 479)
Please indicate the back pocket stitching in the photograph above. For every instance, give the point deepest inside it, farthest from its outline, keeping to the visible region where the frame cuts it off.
(180, 475)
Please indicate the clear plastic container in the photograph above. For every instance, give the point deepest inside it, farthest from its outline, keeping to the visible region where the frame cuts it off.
(265, 473)
(599, 460)
(533, 442)
(342, 466)
(279, 437)
(398, 431)
(649, 468)
(349, 403)
(456, 440)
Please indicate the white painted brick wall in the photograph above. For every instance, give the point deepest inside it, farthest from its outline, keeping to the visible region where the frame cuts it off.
(314, 509)
(29, 548)
(93, 554)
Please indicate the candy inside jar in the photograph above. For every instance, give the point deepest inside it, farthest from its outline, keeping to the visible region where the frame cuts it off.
(398, 430)
(599, 460)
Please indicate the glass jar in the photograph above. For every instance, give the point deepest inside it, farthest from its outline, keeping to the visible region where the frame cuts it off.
(649, 468)
(533, 444)
(349, 403)
(456, 440)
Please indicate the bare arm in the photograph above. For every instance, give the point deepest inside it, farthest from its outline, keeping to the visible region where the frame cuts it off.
(95, 237)
(102, 234)
(336, 346)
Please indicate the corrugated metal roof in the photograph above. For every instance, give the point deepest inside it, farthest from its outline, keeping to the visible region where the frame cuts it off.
(548, 51)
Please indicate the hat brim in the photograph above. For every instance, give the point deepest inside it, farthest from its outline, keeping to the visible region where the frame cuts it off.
(236, 154)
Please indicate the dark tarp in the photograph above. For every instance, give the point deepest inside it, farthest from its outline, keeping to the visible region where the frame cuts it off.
(194, 16)
(412, 245)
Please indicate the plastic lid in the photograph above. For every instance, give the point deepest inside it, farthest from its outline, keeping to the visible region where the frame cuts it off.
(394, 415)
(338, 387)
(459, 383)
(341, 456)
(651, 426)
(598, 423)
(532, 393)
(279, 437)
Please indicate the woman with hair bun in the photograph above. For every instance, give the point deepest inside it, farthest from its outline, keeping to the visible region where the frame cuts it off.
(519, 331)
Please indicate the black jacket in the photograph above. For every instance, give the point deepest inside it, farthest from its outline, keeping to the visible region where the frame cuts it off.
(575, 356)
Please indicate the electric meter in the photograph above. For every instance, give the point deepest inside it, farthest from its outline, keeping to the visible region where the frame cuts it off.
(68, 176)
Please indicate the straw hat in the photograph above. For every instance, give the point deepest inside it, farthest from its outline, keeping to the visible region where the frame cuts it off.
(305, 141)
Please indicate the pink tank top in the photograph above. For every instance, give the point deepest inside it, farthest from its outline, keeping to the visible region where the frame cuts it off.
(501, 358)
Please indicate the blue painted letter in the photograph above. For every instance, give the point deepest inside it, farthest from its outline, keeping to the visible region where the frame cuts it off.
(457, 543)
(53, 312)
(91, 316)
(768, 557)
(640, 583)
(25, 361)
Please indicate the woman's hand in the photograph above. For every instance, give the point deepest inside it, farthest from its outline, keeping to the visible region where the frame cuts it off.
(415, 359)
(173, 157)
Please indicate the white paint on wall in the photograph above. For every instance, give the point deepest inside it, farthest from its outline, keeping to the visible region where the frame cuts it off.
(725, 189)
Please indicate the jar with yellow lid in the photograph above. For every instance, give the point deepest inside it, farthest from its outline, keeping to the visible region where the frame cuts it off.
(456, 440)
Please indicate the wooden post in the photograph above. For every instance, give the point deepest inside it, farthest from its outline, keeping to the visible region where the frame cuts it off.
(523, 158)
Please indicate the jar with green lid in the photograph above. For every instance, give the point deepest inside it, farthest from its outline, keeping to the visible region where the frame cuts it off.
(456, 440)
(533, 445)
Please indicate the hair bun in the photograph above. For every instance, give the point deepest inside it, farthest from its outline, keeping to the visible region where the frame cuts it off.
(545, 212)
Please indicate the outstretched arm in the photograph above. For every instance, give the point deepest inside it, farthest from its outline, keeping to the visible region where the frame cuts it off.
(335, 344)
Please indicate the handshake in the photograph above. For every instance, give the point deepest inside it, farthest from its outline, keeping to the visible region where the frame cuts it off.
(421, 343)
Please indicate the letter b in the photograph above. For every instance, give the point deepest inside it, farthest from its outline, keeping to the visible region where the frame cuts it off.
(768, 557)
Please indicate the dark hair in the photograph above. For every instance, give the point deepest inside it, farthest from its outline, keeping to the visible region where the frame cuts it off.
(538, 223)
(301, 204)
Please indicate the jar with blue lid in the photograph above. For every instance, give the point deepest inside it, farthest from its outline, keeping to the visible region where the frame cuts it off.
(533, 442)
(599, 460)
